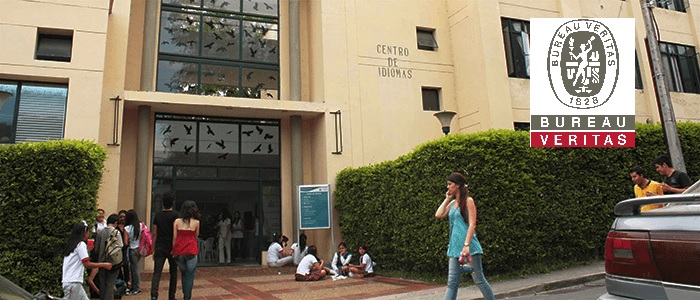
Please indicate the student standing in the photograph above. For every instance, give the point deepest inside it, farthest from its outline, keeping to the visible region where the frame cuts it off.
(107, 277)
(75, 260)
(185, 250)
(460, 208)
(675, 182)
(133, 229)
(162, 245)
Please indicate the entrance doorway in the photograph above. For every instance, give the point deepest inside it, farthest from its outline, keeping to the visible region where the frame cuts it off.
(224, 166)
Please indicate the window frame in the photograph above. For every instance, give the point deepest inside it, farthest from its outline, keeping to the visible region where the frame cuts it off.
(676, 5)
(511, 37)
(427, 36)
(46, 39)
(638, 83)
(681, 77)
(438, 93)
(17, 113)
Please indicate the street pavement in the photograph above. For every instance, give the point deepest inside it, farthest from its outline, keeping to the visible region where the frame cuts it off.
(278, 283)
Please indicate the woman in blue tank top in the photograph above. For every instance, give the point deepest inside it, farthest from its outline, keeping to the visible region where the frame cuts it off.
(461, 212)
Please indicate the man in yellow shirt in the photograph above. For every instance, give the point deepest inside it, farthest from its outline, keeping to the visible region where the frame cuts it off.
(644, 187)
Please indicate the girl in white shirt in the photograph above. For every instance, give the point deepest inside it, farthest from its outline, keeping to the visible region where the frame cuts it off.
(341, 260)
(366, 266)
(311, 268)
(75, 260)
(299, 250)
(276, 256)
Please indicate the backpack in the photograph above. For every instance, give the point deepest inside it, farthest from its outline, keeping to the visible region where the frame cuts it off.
(145, 241)
(114, 247)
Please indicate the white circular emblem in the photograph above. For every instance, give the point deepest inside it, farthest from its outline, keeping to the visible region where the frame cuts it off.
(583, 64)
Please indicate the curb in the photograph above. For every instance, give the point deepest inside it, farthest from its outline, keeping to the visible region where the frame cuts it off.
(548, 286)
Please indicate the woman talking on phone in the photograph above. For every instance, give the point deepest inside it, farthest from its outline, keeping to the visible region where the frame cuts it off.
(460, 209)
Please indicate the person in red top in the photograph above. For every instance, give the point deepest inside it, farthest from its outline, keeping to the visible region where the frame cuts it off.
(185, 250)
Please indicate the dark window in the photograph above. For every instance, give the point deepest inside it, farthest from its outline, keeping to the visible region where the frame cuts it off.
(225, 48)
(637, 74)
(426, 39)
(431, 99)
(31, 112)
(516, 39)
(521, 126)
(54, 47)
(676, 5)
(681, 64)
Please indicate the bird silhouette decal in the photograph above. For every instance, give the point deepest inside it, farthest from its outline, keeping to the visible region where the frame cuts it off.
(164, 42)
(260, 130)
(191, 42)
(209, 146)
(209, 131)
(257, 149)
(273, 50)
(269, 148)
(168, 129)
(221, 144)
(247, 33)
(232, 33)
(188, 129)
(259, 86)
(225, 3)
(221, 49)
(249, 76)
(230, 43)
(222, 156)
(209, 45)
(247, 132)
(216, 36)
(268, 95)
(262, 43)
(210, 23)
(267, 6)
(268, 136)
(255, 6)
(188, 149)
(230, 132)
(252, 51)
(173, 140)
(272, 78)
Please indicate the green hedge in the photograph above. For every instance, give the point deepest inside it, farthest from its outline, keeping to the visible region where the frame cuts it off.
(44, 189)
(536, 207)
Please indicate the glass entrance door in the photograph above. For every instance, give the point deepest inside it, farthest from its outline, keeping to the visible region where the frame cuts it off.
(228, 175)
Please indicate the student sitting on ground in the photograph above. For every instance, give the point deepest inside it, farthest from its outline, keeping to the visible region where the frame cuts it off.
(366, 266)
(311, 268)
(341, 260)
(299, 250)
(276, 256)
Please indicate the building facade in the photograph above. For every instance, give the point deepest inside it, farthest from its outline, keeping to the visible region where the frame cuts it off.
(233, 104)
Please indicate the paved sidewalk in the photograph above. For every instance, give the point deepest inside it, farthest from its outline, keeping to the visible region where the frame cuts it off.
(278, 283)
(515, 287)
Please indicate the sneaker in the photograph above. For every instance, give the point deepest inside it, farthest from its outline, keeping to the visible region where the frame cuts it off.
(134, 292)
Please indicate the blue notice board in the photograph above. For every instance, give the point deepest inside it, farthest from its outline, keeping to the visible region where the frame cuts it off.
(314, 206)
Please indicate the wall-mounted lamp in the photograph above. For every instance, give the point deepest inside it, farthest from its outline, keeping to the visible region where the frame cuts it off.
(4, 96)
(445, 118)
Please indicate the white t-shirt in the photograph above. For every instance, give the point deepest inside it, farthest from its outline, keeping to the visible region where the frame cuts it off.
(236, 228)
(99, 226)
(73, 268)
(133, 243)
(223, 227)
(273, 253)
(306, 264)
(299, 255)
(369, 266)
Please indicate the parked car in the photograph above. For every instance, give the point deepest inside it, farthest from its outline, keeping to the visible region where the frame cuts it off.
(10, 291)
(655, 254)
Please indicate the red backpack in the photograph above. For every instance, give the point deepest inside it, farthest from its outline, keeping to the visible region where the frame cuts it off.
(145, 241)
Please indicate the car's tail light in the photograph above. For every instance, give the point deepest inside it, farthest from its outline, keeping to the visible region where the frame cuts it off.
(629, 254)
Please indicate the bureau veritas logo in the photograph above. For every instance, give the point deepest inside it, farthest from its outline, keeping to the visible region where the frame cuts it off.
(583, 64)
(582, 83)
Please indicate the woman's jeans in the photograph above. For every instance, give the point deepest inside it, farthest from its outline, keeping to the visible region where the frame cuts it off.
(187, 265)
(134, 269)
(454, 274)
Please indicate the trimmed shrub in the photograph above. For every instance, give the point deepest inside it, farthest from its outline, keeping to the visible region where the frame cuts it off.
(44, 189)
(537, 207)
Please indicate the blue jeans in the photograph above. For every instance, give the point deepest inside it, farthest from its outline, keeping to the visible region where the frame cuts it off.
(134, 269)
(454, 273)
(187, 265)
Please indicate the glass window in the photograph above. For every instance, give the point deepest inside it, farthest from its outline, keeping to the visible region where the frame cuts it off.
(521, 126)
(677, 5)
(54, 47)
(426, 39)
(219, 48)
(431, 99)
(681, 64)
(32, 112)
(516, 39)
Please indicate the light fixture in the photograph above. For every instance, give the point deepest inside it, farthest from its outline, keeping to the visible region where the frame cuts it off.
(4, 96)
(445, 118)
